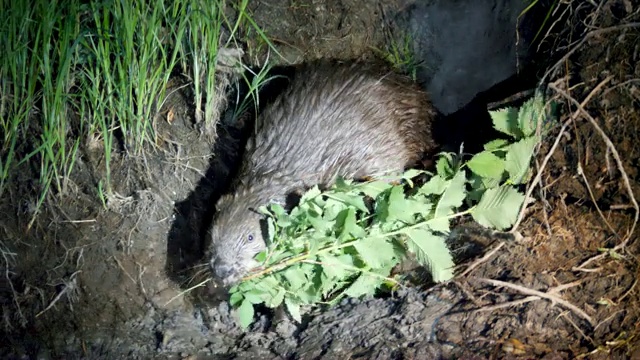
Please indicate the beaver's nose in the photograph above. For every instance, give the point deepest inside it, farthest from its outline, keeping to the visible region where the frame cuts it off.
(223, 271)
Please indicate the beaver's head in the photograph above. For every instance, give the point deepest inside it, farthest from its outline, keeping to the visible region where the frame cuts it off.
(236, 237)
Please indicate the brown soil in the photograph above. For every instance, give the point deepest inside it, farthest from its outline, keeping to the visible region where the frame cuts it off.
(86, 281)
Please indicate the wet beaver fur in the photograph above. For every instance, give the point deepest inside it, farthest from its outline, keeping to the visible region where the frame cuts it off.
(350, 119)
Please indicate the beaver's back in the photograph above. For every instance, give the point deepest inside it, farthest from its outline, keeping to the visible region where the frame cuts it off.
(335, 119)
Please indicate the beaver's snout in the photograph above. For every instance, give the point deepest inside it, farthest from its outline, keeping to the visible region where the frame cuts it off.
(226, 272)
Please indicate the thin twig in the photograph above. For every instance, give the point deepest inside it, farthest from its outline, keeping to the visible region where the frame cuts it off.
(467, 293)
(630, 81)
(545, 205)
(595, 203)
(549, 296)
(608, 319)
(628, 291)
(553, 290)
(187, 290)
(8, 258)
(124, 270)
(68, 289)
(477, 263)
(509, 304)
(578, 329)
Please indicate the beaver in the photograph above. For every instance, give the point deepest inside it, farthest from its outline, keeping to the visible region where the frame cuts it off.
(351, 119)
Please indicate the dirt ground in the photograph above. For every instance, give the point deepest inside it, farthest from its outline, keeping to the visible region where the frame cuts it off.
(85, 281)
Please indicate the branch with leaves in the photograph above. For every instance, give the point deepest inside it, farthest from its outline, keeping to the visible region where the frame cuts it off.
(345, 241)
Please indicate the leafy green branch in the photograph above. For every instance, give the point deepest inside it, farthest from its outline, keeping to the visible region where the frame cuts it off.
(345, 241)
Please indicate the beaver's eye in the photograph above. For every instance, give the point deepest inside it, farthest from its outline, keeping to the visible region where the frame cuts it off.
(250, 238)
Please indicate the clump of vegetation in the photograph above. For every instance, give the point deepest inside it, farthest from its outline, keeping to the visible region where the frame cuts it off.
(345, 241)
(40, 51)
(96, 73)
(399, 55)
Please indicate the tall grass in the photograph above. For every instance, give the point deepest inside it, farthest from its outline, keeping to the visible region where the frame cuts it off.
(206, 22)
(205, 27)
(59, 31)
(399, 53)
(40, 41)
(135, 54)
(18, 79)
(531, 4)
(132, 52)
(73, 70)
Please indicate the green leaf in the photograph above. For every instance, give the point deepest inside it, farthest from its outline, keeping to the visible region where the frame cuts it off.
(374, 188)
(261, 256)
(431, 251)
(498, 207)
(375, 251)
(410, 174)
(352, 200)
(343, 185)
(271, 230)
(266, 283)
(328, 287)
(279, 255)
(495, 144)
(506, 121)
(334, 208)
(487, 165)
(294, 309)
(440, 224)
(235, 298)
(363, 285)
(278, 210)
(399, 207)
(309, 295)
(263, 209)
(347, 221)
(444, 166)
(483, 183)
(479, 185)
(518, 159)
(453, 196)
(274, 300)
(530, 113)
(295, 276)
(254, 296)
(330, 216)
(320, 223)
(310, 194)
(336, 266)
(435, 186)
(245, 313)
(314, 246)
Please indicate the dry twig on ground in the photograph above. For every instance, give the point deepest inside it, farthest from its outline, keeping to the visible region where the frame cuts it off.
(478, 262)
(549, 295)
